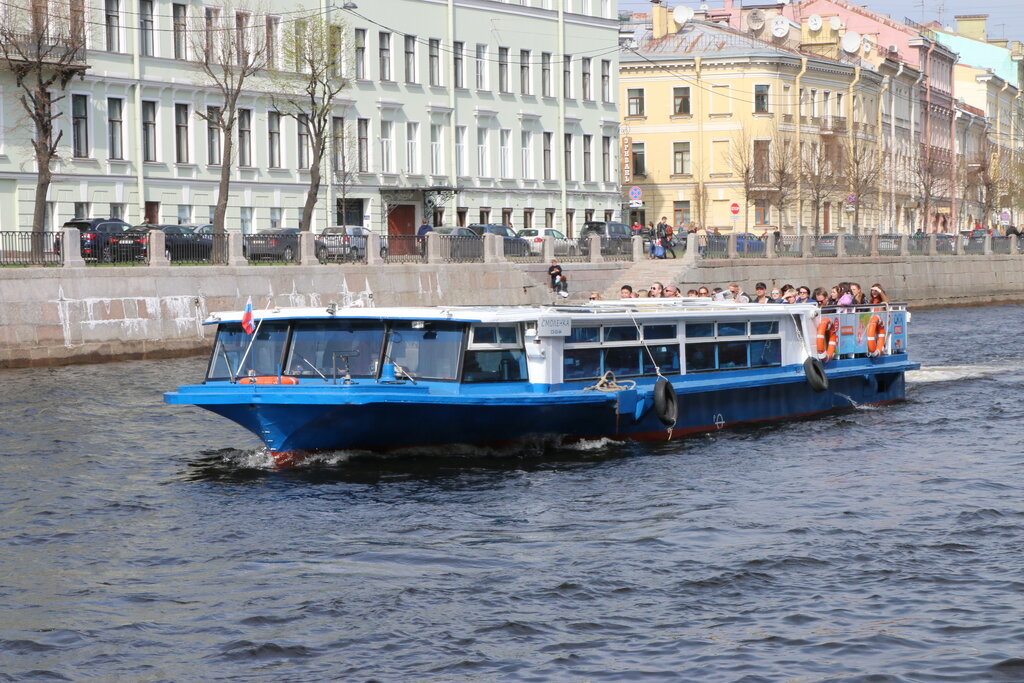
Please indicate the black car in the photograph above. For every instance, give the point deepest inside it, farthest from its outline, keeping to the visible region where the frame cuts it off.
(273, 245)
(616, 238)
(97, 236)
(974, 240)
(513, 245)
(181, 243)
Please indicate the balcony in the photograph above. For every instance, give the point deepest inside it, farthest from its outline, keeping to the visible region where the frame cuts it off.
(38, 47)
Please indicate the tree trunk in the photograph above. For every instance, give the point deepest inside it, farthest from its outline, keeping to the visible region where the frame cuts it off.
(314, 187)
(219, 248)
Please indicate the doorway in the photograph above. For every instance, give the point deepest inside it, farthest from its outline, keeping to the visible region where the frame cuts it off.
(152, 213)
(402, 225)
(827, 219)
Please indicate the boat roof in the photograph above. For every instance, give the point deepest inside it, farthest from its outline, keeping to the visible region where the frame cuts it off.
(625, 309)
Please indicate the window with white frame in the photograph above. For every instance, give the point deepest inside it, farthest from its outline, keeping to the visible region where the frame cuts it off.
(483, 152)
(525, 87)
(503, 85)
(412, 147)
(567, 76)
(245, 220)
(387, 146)
(272, 28)
(681, 158)
(505, 153)
(302, 137)
(585, 78)
(635, 102)
(568, 156)
(481, 67)
(434, 61)
(360, 54)
(212, 30)
(761, 98)
(146, 27)
(546, 159)
(274, 139)
(112, 25)
(459, 63)
(115, 128)
(339, 158)
(681, 101)
(117, 210)
(80, 126)
(588, 161)
(461, 153)
(275, 218)
(363, 145)
(184, 213)
(179, 29)
(384, 53)
(436, 149)
(149, 139)
(606, 158)
(606, 80)
(545, 75)
(81, 209)
(245, 137)
(213, 133)
(526, 144)
(410, 59)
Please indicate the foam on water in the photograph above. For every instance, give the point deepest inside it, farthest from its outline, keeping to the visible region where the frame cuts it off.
(954, 373)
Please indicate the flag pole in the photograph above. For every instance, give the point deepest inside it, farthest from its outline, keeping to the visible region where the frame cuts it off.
(251, 340)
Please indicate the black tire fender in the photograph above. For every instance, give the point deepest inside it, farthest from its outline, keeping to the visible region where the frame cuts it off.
(666, 403)
(816, 376)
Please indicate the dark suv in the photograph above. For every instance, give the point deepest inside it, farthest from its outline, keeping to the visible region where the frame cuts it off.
(98, 235)
(616, 238)
(513, 245)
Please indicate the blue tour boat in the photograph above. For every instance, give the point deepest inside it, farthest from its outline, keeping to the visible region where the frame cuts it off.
(643, 369)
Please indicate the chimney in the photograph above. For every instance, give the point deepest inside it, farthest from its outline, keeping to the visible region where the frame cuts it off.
(1000, 42)
(659, 19)
(972, 26)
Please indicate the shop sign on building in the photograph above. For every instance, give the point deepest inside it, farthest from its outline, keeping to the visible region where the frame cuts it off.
(627, 160)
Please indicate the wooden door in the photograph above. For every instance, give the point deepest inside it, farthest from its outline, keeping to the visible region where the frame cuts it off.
(152, 213)
(402, 224)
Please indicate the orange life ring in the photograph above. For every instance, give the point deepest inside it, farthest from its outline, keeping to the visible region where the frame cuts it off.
(268, 379)
(828, 339)
(876, 336)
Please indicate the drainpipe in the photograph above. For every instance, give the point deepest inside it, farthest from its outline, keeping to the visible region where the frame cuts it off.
(999, 139)
(140, 180)
(453, 118)
(915, 103)
(560, 146)
(853, 126)
(928, 117)
(799, 175)
(892, 145)
(697, 62)
(881, 148)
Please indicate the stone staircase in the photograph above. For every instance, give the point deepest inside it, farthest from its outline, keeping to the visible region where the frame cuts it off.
(643, 273)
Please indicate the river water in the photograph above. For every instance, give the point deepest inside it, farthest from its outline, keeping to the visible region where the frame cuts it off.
(145, 542)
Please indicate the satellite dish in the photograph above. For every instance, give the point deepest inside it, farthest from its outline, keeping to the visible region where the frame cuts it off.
(755, 19)
(867, 44)
(814, 22)
(681, 15)
(851, 42)
(780, 27)
(835, 24)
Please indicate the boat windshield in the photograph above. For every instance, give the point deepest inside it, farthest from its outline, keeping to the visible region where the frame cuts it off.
(426, 349)
(331, 348)
(264, 358)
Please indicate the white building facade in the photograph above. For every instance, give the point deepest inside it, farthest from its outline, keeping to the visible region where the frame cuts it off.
(459, 111)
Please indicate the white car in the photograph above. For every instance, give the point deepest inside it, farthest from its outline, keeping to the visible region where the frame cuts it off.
(535, 236)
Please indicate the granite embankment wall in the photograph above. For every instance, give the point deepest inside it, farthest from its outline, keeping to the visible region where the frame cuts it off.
(54, 316)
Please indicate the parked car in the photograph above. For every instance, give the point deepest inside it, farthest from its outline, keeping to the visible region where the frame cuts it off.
(616, 238)
(342, 243)
(974, 240)
(535, 237)
(181, 243)
(826, 245)
(514, 246)
(749, 243)
(96, 235)
(945, 243)
(273, 245)
(469, 246)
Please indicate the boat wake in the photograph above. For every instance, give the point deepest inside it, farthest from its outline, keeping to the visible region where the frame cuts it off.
(954, 373)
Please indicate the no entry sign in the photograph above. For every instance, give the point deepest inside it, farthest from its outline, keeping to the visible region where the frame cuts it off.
(735, 208)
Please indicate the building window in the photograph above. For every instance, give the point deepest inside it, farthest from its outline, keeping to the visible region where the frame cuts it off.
(459, 63)
(245, 222)
(115, 147)
(606, 80)
(412, 147)
(363, 144)
(483, 152)
(302, 138)
(80, 126)
(112, 23)
(410, 59)
(585, 75)
(117, 211)
(545, 74)
(485, 215)
(568, 156)
(762, 151)
(275, 218)
(274, 139)
(549, 218)
(505, 153)
(526, 142)
(272, 25)
(245, 137)
(681, 158)
(387, 146)
(681, 213)
(436, 149)
(524, 72)
(241, 46)
(184, 213)
(760, 99)
(384, 50)
(546, 156)
(81, 209)
(146, 27)
(180, 20)
(527, 219)
(681, 101)
(588, 170)
(635, 98)
(502, 69)
(213, 144)
(434, 58)
(762, 212)
(338, 157)
(360, 57)
(567, 76)
(149, 131)
(461, 158)
(639, 162)
(480, 62)
(606, 158)
(213, 32)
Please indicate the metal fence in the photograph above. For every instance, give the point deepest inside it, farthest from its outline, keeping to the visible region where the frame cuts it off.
(751, 247)
(517, 249)
(459, 248)
(572, 249)
(26, 248)
(890, 245)
(824, 246)
(712, 246)
(125, 248)
(405, 249)
(616, 248)
(278, 247)
(1000, 245)
(789, 245)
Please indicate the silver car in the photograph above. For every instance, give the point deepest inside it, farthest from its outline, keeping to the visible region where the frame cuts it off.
(535, 236)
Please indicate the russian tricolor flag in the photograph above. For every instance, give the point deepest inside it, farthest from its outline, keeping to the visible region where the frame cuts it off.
(247, 318)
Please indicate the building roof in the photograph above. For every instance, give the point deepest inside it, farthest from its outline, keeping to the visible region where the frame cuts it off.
(981, 55)
(703, 39)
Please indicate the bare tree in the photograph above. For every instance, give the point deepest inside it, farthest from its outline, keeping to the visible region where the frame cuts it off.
(701, 203)
(987, 179)
(782, 174)
(744, 167)
(229, 42)
(817, 177)
(861, 172)
(312, 48)
(931, 175)
(43, 46)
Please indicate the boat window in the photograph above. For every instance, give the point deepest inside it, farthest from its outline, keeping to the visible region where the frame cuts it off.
(329, 348)
(764, 327)
(621, 333)
(733, 355)
(507, 365)
(495, 334)
(765, 353)
(232, 344)
(732, 329)
(700, 329)
(429, 352)
(582, 364)
(665, 355)
(659, 331)
(583, 335)
(624, 361)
